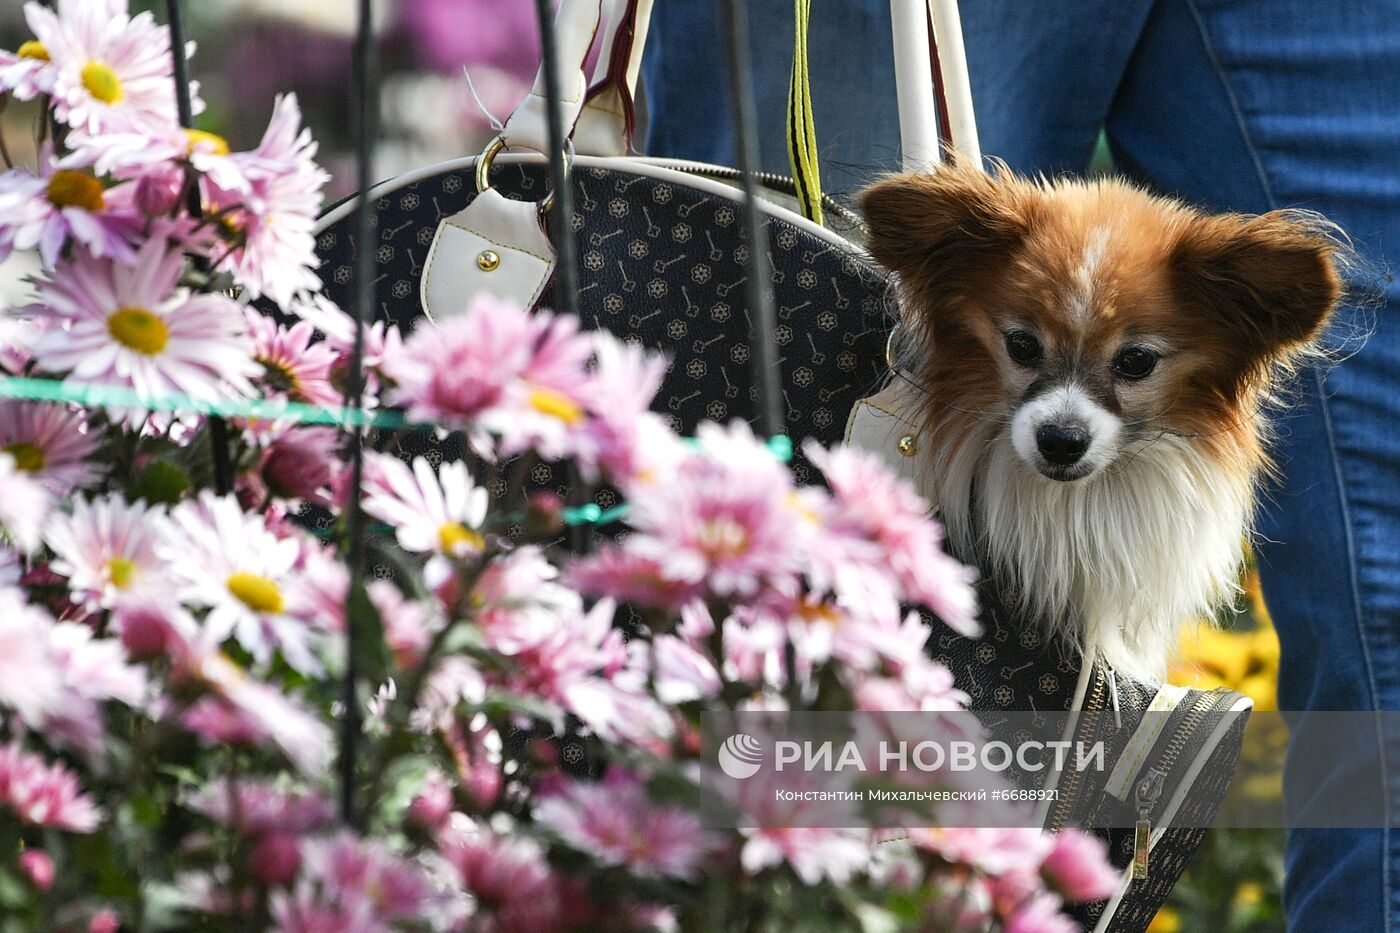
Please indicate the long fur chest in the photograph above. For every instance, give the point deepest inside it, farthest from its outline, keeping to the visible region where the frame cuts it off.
(1118, 562)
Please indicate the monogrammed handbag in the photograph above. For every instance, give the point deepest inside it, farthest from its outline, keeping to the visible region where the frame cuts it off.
(662, 262)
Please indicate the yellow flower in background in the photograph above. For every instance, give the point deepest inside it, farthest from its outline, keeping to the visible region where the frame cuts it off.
(1166, 921)
(1243, 660)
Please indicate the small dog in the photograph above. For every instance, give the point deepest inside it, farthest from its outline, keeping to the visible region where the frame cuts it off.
(1094, 363)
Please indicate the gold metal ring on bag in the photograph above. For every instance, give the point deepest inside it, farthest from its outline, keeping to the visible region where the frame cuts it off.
(488, 157)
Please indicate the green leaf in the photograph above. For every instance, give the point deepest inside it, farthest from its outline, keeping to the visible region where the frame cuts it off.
(369, 651)
(160, 483)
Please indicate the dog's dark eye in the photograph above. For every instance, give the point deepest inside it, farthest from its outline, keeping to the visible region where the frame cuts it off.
(1023, 348)
(1134, 363)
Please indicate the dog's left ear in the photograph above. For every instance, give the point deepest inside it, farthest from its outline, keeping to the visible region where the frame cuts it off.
(1271, 279)
(943, 231)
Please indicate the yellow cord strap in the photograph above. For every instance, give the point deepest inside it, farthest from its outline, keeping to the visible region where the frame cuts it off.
(801, 123)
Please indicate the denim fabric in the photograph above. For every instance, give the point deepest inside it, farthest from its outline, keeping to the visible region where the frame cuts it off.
(1231, 104)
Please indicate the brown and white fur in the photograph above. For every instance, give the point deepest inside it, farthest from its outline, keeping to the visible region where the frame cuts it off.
(1112, 505)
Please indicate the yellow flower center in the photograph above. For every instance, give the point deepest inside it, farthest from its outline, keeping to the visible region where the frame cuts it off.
(453, 536)
(555, 405)
(76, 189)
(817, 612)
(34, 49)
(102, 82)
(138, 329)
(724, 538)
(28, 457)
(217, 144)
(257, 593)
(120, 571)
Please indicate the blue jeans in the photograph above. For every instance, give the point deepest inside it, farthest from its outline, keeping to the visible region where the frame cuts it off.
(1243, 105)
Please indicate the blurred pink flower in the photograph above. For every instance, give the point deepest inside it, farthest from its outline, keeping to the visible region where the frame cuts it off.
(292, 364)
(300, 461)
(31, 683)
(272, 250)
(263, 713)
(257, 807)
(1041, 914)
(359, 882)
(875, 504)
(48, 211)
(276, 858)
(27, 72)
(515, 888)
(105, 920)
(106, 549)
(42, 794)
(813, 853)
(1078, 868)
(134, 327)
(37, 867)
(24, 504)
(49, 442)
(723, 518)
(631, 578)
(614, 822)
(431, 807)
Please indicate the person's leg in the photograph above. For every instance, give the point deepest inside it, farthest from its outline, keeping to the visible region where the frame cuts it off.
(1043, 77)
(1251, 105)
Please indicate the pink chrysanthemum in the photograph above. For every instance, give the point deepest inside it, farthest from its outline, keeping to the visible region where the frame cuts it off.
(24, 504)
(299, 463)
(431, 514)
(498, 369)
(875, 505)
(632, 578)
(112, 71)
(133, 327)
(218, 556)
(26, 72)
(45, 795)
(349, 883)
(724, 518)
(30, 683)
(259, 713)
(46, 212)
(269, 226)
(49, 442)
(292, 364)
(257, 807)
(614, 822)
(106, 549)
(626, 440)
(507, 874)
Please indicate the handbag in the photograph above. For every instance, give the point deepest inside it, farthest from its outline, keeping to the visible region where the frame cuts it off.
(662, 262)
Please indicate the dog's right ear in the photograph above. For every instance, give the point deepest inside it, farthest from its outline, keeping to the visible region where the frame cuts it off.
(944, 228)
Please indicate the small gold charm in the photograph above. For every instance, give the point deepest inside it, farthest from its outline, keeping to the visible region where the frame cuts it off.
(908, 445)
(488, 260)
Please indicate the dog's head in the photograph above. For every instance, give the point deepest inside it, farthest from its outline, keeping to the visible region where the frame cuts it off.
(1086, 319)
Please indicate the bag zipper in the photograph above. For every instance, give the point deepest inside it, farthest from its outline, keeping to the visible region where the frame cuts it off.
(1093, 704)
(1149, 788)
(769, 180)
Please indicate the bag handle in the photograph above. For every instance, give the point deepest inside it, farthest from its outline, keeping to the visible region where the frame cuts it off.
(935, 106)
(935, 103)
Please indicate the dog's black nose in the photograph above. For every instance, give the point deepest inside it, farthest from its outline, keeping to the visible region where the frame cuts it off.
(1061, 444)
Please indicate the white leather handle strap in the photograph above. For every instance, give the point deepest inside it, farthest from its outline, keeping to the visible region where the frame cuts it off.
(609, 117)
(935, 107)
(575, 25)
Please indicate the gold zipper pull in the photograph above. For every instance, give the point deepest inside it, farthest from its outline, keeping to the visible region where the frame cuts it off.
(1148, 790)
(1142, 847)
